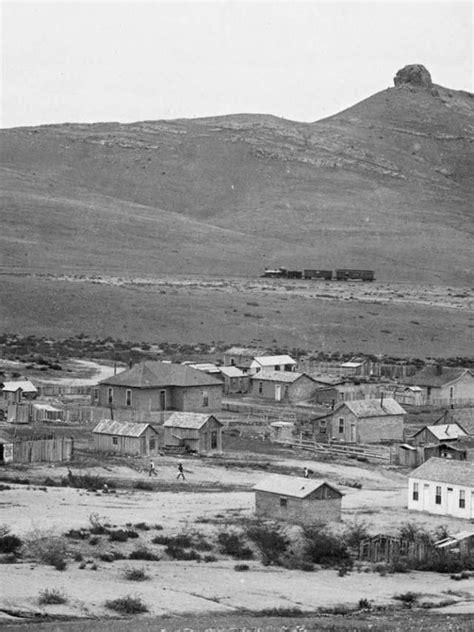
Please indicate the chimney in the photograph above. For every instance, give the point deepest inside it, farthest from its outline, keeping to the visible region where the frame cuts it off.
(439, 369)
(115, 368)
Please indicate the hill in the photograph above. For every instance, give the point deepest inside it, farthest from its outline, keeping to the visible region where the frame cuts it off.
(386, 184)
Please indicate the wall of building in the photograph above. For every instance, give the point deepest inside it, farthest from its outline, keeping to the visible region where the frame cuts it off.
(199, 440)
(191, 398)
(368, 430)
(305, 511)
(376, 429)
(127, 445)
(449, 505)
(142, 398)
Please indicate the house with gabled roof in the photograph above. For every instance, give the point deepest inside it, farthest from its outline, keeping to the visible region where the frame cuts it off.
(241, 357)
(443, 385)
(438, 433)
(17, 391)
(235, 380)
(444, 487)
(273, 363)
(125, 438)
(160, 386)
(283, 386)
(361, 421)
(297, 500)
(195, 432)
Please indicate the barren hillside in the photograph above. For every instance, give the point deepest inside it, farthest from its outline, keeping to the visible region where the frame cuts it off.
(386, 184)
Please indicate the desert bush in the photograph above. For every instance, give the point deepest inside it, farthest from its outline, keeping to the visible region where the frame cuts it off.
(47, 549)
(178, 553)
(269, 541)
(364, 604)
(122, 535)
(51, 596)
(355, 533)
(142, 553)
(142, 526)
(241, 567)
(127, 605)
(135, 574)
(233, 545)
(408, 598)
(4, 488)
(279, 612)
(210, 558)
(10, 544)
(413, 532)
(97, 524)
(322, 547)
(143, 485)
(77, 534)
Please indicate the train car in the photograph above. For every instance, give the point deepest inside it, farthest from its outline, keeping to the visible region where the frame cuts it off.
(294, 274)
(354, 275)
(277, 273)
(326, 275)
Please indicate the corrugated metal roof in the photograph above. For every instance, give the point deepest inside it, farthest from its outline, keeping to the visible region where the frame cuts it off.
(120, 428)
(276, 376)
(188, 420)
(295, 486)
(231, 371)
(154, 374)
(445, 431)
(274, 360)
(373, 407)
(436, 376)
(446, 471)
(25, 385)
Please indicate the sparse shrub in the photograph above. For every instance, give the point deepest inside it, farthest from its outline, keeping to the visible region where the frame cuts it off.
(231, 544)
(177, 553)
(241, 567)
(279, 612)
(4, 488)
(158, 527)
(127, 605)
(120, 535)
(270, 543)
(142, 553)
(143, 485)
(47, 549)
(210, 558)
(94, 541)
(97, 524)
(51, 596)
(408, 598)
(142, 526)
(77, 534)
(364, 604)
(10, 544)
(355, 533)
(324, 548)
(135, 574)
(78, 556)
(94, 567)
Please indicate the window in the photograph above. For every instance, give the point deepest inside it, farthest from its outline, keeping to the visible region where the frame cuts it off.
(128, 397)
(96, 393)
(286, 392)
(205, 399)
(462, 498)
(277, 367)
(110, 395)
(438, 495)
(322, 426)
(152, 444)
(283, 502)
(415, 491)
(341, 425)
(232, 362)
(214, 440)
(260, 388)
(114, 440)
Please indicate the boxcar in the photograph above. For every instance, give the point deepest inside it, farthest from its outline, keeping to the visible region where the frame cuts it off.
(294, 274)
(354, 275)
(318, 274)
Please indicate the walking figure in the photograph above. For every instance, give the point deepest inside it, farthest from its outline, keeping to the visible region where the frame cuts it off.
(180, 472)
(306, 472)
(152, 471)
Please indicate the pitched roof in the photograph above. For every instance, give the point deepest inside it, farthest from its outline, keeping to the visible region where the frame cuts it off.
(188, 420)
(295, 486)
(373, 407)
(231, 371)
(331, 379)
(464, 417)
(433, 375)
(123, 429)
(446, 471)
(272, 360)
(244, 351)
(25, 385)
(206, 367)
(444, 431)
(277, 376)
(154, 374)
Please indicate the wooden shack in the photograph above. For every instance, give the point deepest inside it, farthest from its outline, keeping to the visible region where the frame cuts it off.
(298, 500)
(125, 438)
(196, 432)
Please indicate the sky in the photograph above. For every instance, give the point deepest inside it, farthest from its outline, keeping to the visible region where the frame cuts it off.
(131, 61)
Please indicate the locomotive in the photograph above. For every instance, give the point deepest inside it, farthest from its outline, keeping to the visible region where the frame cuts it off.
(341, 274)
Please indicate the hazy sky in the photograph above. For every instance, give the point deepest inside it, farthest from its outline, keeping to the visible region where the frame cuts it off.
(128, 61)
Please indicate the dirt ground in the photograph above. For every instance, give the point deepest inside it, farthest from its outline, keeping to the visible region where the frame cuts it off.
(196, 587)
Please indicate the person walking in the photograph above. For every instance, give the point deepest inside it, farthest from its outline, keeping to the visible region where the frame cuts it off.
(306, 472)
(152, 471)
(181, 472)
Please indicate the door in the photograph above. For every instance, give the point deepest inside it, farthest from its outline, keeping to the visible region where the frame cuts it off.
(214, 440)
(162, 400)
(278, 392)
(353, 433)
(472, 505)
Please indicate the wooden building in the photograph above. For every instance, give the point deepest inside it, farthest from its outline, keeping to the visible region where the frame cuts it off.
(125, 438)
(361, 421)
(196, 432)
(273, 363)
(283, 386)
(438, 433)
(297, 500)
(160, 386)
(18, 391)
(444, 487)
(241, 357)
(413, 456)
(235, 380)
(444, 386)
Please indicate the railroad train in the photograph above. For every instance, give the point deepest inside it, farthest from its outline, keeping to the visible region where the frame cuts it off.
(342, 274)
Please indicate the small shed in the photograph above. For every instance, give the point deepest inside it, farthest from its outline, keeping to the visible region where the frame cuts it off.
(197, 432)
(437, 433)
(297, 500)
(281, 431)
(16, 391)
(125, 438)
(235, 380)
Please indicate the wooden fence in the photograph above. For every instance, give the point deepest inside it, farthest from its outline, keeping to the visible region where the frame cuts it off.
(43, 449)
(94, 414)
(362, 451)
(389, 549)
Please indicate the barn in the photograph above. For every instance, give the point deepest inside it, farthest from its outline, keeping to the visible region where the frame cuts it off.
(298, 500)
(197, 432)
(125, 438)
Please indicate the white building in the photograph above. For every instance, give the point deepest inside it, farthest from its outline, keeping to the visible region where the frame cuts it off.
(444, 487)
(273, 363)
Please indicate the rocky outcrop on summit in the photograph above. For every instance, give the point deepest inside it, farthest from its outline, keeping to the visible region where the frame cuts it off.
(415, 75)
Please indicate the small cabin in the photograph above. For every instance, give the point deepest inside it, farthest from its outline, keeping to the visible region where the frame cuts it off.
(297, 500)
(125, 438)
(196, 432)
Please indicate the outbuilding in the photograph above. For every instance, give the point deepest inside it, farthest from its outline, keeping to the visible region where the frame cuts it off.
(444, 487)
(125, 438)
(298, 500)
(196, 432)
(438, 433)
(235, 380)
(282, 386)
(273, 363)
